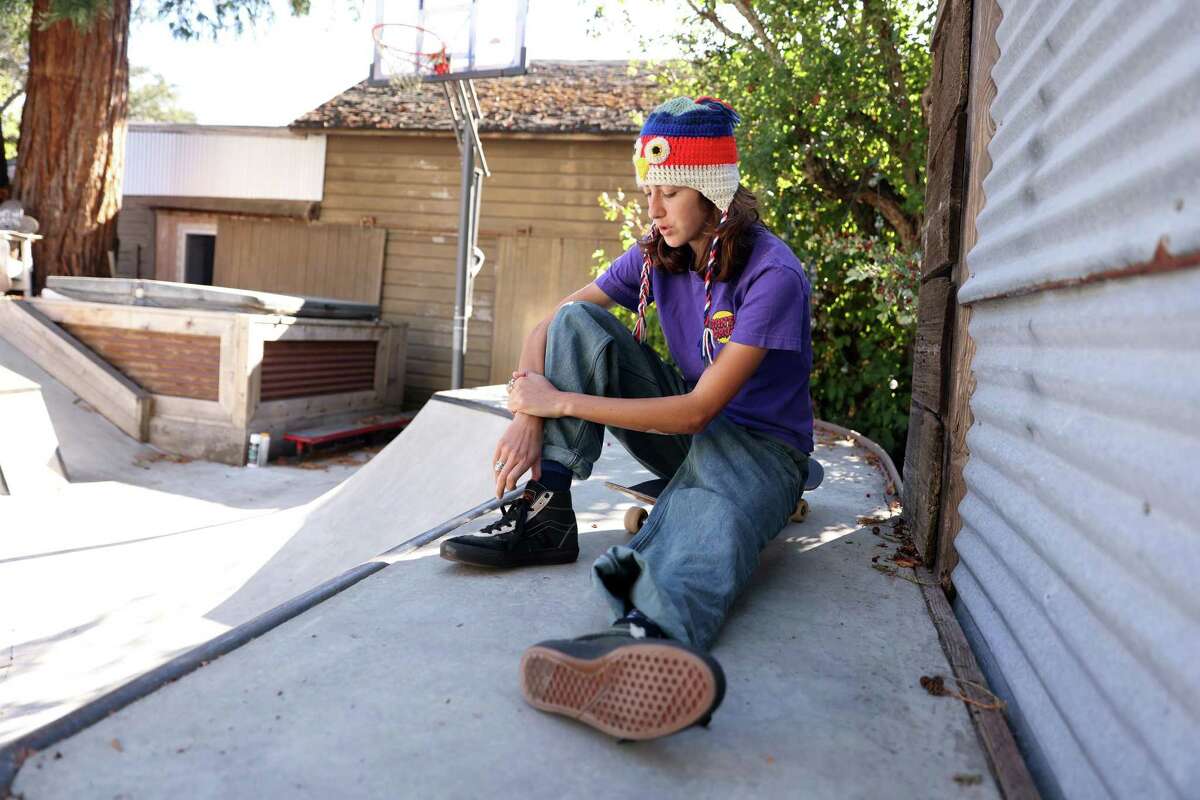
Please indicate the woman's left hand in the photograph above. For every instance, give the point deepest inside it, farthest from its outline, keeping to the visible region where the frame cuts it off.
(533, 394)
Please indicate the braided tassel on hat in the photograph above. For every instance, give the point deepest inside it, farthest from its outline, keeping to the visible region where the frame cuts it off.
(708, 344)
(639, 329)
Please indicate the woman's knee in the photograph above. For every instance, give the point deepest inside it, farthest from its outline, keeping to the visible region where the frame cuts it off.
(577, 311)
(577, 317)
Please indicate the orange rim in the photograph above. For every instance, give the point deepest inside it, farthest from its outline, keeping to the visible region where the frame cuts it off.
(438, 58)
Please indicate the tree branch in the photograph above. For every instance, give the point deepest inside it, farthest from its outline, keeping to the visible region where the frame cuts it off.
(709, 12)
(882, 197)
(885, 35)
(8, 100)
(751, 16)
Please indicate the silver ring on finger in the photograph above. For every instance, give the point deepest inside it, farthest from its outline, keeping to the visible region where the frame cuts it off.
(499, 466)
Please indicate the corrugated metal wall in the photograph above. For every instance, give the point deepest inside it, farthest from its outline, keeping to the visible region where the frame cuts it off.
(192, 161)
(1080, 545)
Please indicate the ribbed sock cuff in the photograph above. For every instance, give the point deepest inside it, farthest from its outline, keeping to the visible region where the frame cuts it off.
(555, 476)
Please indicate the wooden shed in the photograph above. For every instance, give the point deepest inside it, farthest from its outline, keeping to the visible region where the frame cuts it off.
(555, 139)
(238, 207)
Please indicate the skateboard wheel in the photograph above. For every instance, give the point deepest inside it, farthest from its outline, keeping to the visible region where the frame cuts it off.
(634, 518)
(801, 511)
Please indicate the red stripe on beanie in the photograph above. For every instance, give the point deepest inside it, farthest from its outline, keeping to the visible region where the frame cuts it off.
(697, 151)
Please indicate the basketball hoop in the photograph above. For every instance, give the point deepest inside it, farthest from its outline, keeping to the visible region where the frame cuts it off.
(454, 43)
(409, 54)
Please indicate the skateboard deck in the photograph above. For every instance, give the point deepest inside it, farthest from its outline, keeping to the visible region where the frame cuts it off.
(648, 491)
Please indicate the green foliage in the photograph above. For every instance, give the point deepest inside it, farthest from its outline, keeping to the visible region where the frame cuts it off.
(187, 19)
(14, 61)
(833, 144)
(14, 45)
(864, 304)
(633, 225)
(152, 99)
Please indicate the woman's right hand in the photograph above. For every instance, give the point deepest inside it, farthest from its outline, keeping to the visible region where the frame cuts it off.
(519, 449)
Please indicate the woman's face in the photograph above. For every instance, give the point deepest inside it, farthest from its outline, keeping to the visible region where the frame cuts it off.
(678, 214)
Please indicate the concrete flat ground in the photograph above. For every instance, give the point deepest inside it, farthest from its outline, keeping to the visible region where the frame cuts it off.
(406, 683)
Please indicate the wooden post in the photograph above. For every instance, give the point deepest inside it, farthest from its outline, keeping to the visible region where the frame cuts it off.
(980, 127)
(924, 455)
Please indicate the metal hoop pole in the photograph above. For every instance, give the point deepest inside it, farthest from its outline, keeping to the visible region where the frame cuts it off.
(454, 115)
(465, 90)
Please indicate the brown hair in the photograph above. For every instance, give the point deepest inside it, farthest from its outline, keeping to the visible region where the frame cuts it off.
(733, 250)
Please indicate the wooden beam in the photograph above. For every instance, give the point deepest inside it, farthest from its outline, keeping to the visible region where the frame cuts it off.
(1008, 766)
(949, 89)
(980, 128)
(923, 457)
(116, 397)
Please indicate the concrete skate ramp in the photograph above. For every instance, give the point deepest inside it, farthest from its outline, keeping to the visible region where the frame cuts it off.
(170, 555)
(405, 684)
(29, 458)
(437, 467)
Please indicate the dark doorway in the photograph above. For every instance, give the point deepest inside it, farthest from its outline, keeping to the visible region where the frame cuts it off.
(198, 258)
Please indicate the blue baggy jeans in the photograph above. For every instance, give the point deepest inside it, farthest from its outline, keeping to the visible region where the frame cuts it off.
(731, 490)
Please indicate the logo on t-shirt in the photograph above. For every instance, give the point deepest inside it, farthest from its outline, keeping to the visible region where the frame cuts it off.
(722, 325)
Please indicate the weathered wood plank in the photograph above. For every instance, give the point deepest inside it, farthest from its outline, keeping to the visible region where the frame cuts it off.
(529, 164)
(500, 147)
(981, 127)
(923, 477)
(404, 192)
(944, 199)
(301, 259)
(114, 395)
(950, 79)
(935, 319)
(1008, 767)
(447, 181)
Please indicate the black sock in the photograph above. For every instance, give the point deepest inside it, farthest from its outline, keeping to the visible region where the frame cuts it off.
(555, 476)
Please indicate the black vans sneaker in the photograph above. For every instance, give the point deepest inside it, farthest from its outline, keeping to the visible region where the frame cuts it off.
(537, 528)
(630, 688)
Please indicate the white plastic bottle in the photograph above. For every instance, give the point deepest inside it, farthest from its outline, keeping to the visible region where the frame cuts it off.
(264, 448)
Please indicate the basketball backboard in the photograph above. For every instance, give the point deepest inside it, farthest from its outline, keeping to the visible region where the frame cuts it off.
(443, 40)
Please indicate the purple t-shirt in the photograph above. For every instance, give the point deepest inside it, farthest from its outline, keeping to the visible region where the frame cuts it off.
(768, 306)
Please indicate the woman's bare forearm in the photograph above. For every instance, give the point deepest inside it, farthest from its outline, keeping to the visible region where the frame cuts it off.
(533, 359)
(675, 414)
(533, 351)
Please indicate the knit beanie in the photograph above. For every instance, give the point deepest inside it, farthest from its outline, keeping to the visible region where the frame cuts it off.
(690, 143)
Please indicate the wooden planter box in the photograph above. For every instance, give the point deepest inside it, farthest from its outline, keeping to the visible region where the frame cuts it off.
(214, 377)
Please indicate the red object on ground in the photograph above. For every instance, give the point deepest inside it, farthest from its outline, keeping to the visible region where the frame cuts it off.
(315, 436)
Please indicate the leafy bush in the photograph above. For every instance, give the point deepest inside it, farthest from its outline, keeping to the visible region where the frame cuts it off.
(633, 224)
(864, 308)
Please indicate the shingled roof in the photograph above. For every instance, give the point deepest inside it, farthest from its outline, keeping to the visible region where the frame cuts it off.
(553, 97)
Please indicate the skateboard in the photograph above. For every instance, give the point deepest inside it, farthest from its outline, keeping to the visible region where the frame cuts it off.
(648, 492)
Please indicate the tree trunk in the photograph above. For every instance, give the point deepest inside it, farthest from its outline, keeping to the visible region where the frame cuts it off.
(73, 139)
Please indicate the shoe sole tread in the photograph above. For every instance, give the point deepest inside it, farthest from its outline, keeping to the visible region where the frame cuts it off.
(637, 691)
